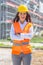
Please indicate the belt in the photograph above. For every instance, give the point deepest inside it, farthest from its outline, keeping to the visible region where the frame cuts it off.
(17, 44)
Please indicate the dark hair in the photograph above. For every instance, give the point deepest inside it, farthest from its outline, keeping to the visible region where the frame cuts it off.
(28, 18)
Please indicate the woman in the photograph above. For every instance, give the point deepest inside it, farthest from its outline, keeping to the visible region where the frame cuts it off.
(21, 34)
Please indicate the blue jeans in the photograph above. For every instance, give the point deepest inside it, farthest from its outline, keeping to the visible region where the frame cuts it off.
(26, 58)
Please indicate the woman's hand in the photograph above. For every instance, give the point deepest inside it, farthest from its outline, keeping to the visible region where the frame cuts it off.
(17, 34)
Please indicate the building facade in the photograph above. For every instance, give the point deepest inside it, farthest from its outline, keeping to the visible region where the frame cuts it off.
(7, 13)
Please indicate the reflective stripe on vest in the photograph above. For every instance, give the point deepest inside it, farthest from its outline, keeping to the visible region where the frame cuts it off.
(16, 44)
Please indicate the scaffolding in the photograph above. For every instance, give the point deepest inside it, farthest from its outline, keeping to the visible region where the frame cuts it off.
(8, 9)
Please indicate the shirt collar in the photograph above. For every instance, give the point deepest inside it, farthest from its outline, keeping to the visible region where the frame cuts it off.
(23, 23)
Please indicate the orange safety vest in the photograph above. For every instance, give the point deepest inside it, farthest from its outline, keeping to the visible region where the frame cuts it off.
(24, 48)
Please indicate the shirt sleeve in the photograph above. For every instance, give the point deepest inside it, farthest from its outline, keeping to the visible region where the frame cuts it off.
(13, 36)
(28, 35)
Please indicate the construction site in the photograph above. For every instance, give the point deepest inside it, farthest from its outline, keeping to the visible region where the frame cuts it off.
(8, 10)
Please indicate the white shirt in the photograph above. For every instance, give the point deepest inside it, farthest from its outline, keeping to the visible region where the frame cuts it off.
(21, 36)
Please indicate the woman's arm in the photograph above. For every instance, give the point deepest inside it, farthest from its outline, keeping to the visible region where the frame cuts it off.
(13, 36)
(28, 35)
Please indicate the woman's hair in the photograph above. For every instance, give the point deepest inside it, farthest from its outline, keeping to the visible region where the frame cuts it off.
(28, 18)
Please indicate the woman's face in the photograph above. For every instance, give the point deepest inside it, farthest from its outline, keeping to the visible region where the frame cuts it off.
(22, 16)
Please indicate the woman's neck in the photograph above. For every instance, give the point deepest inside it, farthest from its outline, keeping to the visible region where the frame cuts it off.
(22, 22)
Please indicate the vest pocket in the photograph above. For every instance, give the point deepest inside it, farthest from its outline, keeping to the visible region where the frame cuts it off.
(27, 49)
(16, 50)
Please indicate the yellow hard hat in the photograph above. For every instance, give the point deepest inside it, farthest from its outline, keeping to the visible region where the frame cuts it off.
(22, 8)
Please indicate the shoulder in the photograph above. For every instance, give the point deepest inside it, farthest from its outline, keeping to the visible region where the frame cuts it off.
(15, 23)
(29, 24)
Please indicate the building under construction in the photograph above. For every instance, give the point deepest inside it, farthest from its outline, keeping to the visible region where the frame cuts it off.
(8, 9)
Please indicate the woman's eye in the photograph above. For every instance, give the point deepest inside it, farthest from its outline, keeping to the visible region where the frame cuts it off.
(24, 13)
(21, 13)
